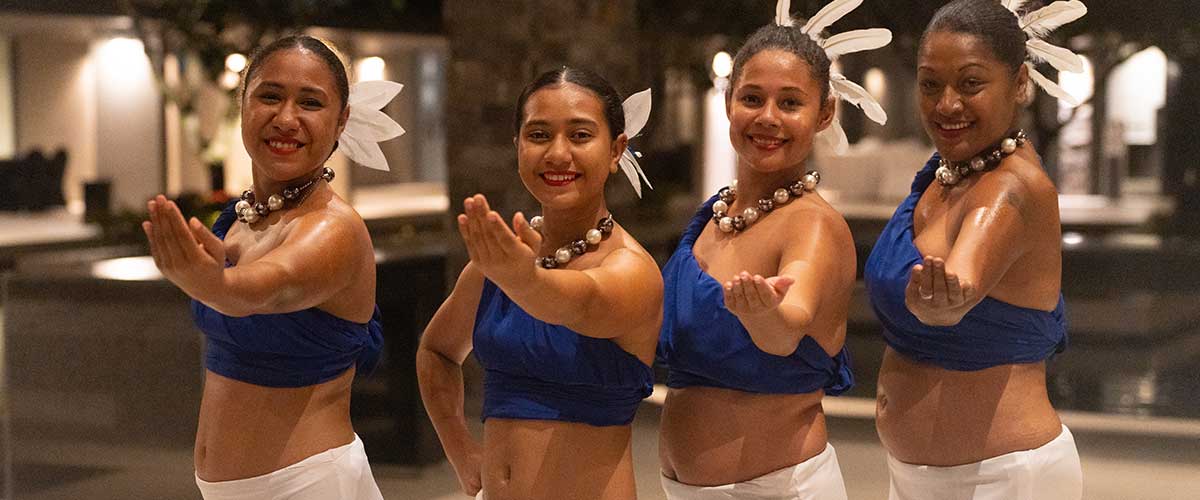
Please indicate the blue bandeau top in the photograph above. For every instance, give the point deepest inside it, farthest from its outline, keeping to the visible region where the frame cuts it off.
(293, 349)
(703, 344)
(534, 370)
(993, 333)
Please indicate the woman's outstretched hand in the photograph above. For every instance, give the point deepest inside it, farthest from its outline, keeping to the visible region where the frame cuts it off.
(186, 252)
(747, 295)
(936, 296)
(505, 255)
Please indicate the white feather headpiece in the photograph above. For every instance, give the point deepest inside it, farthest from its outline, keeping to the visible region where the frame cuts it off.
(368, 126)
(836, 46)
(637, 113)
(1038, 24)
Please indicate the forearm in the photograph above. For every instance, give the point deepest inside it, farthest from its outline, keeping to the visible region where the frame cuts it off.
(558, 297)
(441, 383)
(779, 330)
(259, 288)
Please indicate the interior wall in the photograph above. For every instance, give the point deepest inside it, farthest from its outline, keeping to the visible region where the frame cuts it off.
(55, 100)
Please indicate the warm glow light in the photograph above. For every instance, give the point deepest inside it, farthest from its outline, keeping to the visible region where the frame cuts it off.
(235, 62)
(127, 269)
(720, 160)
(370, 68)
(229, 80)
(875, 82)
(722, 65)
(1079, 85)
(1072, 239)
(123, 55)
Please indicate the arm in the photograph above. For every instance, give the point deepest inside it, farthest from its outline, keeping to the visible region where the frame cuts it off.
(444, 346)
(993, 235)
(601, 302)
(778, 311)
(311, 264)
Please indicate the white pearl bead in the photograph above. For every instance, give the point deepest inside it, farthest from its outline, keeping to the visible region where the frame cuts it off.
(563, 255)
(275, 202)
(241, 206)
(782, 196)
(250, 215)
(947, 176)
(750, 214)
(725, 224)
(720, 207)
(977, 164)
(536, 222)
(593, 236)
(733, 186)
(1008, 145)
(810, 181)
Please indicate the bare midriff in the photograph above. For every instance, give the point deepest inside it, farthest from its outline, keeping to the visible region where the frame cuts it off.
(548, 460)
(928, 415)
(711, 436)
(248, 430)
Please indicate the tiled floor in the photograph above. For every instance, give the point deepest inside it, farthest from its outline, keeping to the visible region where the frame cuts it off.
(1116, 467)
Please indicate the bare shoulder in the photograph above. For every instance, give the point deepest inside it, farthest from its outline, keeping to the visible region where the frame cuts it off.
(334, 220)
(1020, 182)
(815, 217)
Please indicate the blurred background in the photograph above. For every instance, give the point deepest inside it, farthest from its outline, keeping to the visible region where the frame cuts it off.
(104, 103)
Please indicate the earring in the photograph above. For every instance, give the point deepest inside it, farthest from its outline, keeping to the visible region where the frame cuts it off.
(613, 168)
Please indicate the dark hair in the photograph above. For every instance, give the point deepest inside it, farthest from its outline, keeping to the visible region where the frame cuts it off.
(787, 39)
(988, 21)
(321, 48)
(614, 112)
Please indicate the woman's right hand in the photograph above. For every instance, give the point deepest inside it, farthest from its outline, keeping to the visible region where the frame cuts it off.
(468, 466)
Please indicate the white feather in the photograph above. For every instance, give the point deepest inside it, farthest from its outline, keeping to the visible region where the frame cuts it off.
(1014, 6)
(828, 15)
(783, 16)
(633, 170)
(367, 125)
(637, 112)
(856, 41)
(1060, 58)
(852, 93)
(1041, 22)
(374, 94)
(835, 137)
(1051, 87)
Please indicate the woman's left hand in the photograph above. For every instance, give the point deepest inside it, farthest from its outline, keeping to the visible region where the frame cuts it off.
(186, 253)
(936, 296)
(504, 257)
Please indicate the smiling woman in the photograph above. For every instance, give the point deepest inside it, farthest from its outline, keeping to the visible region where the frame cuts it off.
(285, 298)
(966, 277)
(566, 345)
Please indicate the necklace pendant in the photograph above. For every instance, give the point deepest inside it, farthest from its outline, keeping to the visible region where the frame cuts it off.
(947, 176)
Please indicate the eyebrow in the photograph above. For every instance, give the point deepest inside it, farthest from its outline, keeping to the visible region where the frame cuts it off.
(274, 85)
(573, 121)
(784, 89)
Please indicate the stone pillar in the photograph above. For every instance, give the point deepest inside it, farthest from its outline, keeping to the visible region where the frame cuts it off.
(496, 48)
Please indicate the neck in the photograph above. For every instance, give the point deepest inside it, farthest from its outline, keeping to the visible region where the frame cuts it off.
(562, 226)
(754, 185)
(264, 186)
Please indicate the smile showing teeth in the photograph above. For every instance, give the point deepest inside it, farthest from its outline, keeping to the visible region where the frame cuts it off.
(766, 141)
(283, 145)
(554, 177)
(955, 126)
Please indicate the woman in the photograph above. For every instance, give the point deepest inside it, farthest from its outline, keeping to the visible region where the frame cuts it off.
(566, 342)
(285, 294)
(966, 280)
(756, 302)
